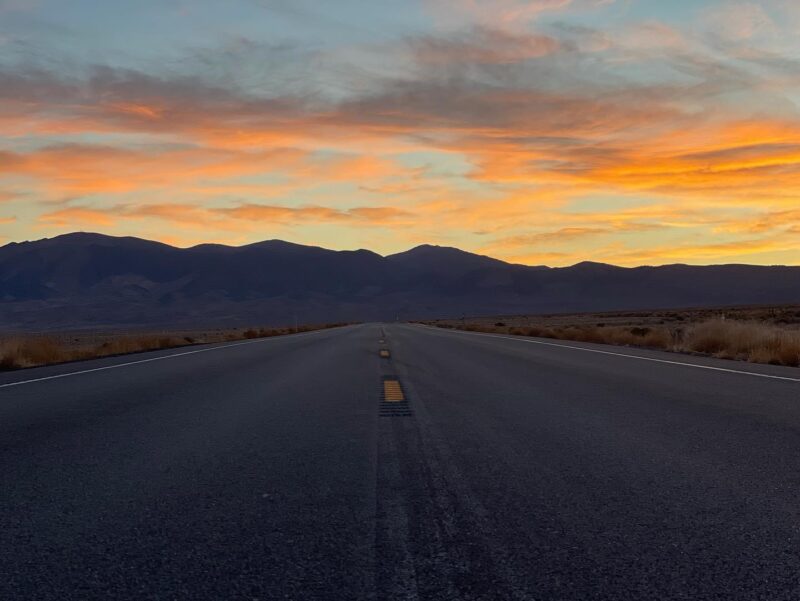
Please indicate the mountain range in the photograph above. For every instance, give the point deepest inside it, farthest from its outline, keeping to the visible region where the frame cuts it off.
(85, 280)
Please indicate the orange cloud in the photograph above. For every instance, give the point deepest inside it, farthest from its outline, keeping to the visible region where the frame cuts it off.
(239, 218)
(705, 252)
(279, 214)
(6, 195)
(75, 216)
(72, 170)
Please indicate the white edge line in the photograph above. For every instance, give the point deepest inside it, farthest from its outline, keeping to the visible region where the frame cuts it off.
(640, 358)
(162, 358)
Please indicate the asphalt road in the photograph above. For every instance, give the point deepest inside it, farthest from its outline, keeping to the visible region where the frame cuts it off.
(515, 469)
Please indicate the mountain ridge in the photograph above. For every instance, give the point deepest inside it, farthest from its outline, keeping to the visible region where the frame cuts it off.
(87, 280)
(96, 236)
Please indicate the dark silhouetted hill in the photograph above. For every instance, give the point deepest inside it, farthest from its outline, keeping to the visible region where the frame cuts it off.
(91, 280)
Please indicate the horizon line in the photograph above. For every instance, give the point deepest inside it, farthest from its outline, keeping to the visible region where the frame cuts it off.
(429, 245)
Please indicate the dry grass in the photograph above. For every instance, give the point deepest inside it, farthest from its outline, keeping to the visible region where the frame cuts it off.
(752, 341)
(22, 351)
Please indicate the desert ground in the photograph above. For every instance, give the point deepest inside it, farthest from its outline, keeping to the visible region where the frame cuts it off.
(759, 334)
(19, 350)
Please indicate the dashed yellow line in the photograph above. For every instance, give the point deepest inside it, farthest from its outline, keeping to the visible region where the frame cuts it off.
(392, 391)
(384, 353)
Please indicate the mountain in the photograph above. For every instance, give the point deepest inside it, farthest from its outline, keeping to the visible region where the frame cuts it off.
(441, 260)
(91, 280)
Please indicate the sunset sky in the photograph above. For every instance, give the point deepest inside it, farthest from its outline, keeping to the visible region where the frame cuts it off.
(537, 131)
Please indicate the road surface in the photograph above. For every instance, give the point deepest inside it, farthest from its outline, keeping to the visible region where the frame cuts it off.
(461, 466)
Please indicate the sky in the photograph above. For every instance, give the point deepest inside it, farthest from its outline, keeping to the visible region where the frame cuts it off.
(536, 131)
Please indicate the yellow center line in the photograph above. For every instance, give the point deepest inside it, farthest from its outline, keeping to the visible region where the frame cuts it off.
(392, 392)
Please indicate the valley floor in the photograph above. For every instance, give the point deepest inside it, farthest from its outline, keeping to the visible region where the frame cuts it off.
(758, 334)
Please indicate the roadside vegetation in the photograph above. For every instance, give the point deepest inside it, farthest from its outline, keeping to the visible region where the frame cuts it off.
(19, 351)
(728, 335)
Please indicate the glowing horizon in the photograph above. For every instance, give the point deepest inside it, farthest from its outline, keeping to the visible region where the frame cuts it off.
(538, 132)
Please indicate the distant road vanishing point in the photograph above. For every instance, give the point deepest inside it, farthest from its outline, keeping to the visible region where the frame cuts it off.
(395, 461)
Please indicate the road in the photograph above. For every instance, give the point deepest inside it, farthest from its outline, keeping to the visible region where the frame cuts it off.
(461, 466)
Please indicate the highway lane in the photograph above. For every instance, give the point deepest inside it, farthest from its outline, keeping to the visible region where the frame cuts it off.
(246, 472)
(273, 470)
